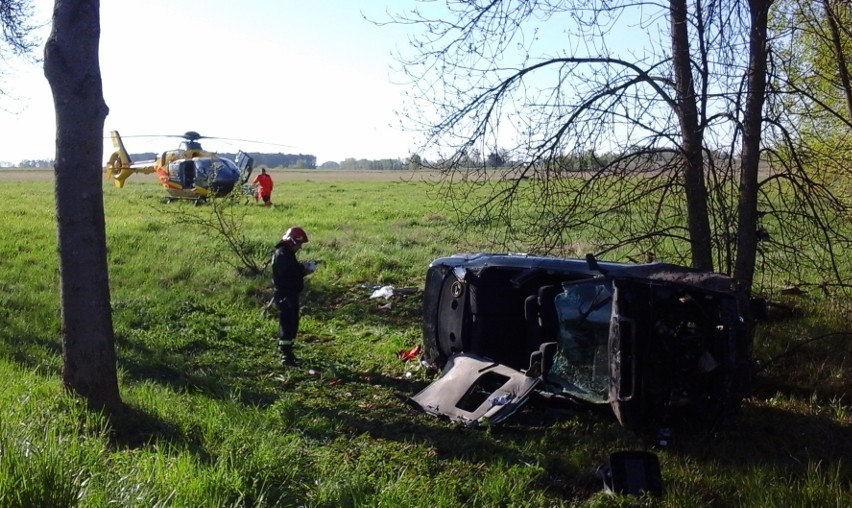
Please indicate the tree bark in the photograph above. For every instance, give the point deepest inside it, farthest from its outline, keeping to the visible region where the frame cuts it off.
(698, 220)
(72, 68)
(752, 127)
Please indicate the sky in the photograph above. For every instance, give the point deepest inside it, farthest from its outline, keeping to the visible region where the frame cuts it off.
(314, 76)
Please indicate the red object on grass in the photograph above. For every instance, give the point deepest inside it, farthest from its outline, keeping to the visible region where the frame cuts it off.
(409, 355)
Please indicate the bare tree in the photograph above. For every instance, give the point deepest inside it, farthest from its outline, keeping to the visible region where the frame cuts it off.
(224, 220)
(652, 146)
(752, 130)
(15, 20)
(72, 69)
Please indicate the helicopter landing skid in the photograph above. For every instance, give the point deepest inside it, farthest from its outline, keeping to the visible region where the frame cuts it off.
(198, 201)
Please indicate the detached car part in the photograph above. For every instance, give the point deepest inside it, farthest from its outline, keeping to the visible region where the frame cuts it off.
(647, 339)
(474, 390)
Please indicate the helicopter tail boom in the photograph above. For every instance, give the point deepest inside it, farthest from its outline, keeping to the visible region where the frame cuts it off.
(119, 166)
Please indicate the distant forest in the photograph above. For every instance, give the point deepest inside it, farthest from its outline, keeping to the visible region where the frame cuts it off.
(270, 160)
(302, 161)
(496, 159)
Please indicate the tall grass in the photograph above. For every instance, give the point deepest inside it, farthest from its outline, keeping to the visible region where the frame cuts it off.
(212, 420)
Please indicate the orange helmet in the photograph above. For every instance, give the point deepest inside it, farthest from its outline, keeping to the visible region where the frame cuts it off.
(295, 235)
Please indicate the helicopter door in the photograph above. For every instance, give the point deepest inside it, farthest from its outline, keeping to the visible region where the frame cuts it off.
(187, 173)
(246, 164)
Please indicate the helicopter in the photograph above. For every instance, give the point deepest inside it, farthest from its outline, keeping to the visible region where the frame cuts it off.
(189, 172)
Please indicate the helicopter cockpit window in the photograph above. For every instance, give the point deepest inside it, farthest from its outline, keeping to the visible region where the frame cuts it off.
(208, 167)
(203, 167)
(229, 164)
(581, 364)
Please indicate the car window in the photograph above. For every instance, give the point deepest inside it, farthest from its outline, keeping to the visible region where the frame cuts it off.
(581, 364)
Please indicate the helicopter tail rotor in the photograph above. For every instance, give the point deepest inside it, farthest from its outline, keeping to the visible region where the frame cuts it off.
(118, 165)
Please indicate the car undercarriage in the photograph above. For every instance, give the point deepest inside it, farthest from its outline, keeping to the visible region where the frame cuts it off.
(650, 340)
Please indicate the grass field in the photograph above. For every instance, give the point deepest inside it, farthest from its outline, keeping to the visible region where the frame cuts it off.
(214, 421)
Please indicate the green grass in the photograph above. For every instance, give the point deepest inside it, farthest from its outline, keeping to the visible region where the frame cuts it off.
(213, 421)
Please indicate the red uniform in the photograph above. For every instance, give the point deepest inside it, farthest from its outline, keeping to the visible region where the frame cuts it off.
(264, 187)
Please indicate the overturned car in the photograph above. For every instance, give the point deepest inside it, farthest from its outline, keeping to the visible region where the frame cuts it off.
(646, 339)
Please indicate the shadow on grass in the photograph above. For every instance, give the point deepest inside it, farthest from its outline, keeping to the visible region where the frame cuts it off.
(146, 364)
(767, 435)
(132, 427)
(758, 436)
(569, 441)
(26, 347)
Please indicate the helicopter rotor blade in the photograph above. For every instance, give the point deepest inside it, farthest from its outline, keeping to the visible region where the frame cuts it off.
(246, 141)
(195, 136)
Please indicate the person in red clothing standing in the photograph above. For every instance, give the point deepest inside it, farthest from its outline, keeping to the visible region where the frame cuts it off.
(264, 185)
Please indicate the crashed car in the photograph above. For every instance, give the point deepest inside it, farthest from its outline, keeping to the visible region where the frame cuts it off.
(645, 339)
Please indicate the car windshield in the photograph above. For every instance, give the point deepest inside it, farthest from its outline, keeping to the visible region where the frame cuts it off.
(581, 364)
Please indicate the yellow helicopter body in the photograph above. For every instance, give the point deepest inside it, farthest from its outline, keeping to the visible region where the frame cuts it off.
(189, 172)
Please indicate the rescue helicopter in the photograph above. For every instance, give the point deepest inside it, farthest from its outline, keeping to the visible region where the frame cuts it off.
(190, 172)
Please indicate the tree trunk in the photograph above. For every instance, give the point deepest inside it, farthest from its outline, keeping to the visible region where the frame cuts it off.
(72, 68)
(752, 127)
(698, 220)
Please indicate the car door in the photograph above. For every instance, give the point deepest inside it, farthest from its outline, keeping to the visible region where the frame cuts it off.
(624, 360)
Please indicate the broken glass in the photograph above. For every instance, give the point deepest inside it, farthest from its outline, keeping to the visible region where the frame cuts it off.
(581, 364)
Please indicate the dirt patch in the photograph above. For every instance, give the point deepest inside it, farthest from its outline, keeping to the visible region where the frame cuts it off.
(343, 174)
(26, 174)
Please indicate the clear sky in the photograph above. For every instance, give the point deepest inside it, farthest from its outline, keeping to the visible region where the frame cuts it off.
(311, 74)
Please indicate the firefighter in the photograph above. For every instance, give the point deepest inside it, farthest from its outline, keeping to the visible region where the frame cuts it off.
(288, 276)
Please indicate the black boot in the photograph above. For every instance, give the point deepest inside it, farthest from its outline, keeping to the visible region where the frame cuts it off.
(288, 359)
